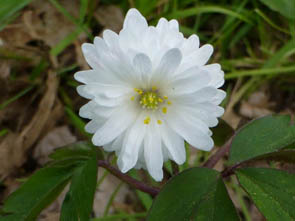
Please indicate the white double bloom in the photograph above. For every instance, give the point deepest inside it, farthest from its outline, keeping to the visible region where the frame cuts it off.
(150, 91)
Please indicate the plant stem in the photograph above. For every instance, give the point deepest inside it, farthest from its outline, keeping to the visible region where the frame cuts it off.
(211, 162)
(230, 170)
(153, 191)
(175, 168)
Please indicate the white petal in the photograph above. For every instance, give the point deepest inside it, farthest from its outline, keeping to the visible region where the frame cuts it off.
(91, 55)
(115, 145)
(118, 122)
(92, 110)
(153, 151)
(111, 39)
(110, 91)
(204, 53)
(173, 24)
(213, 109)
(99, 75)
(132, 143)
(162, 26)
(199, 57)
(100, 46)
(113, 62)
(217, 75)
(87, 76)
(134, 21)
(143, 66)
(91, 127)
(83, 93)
(190, 132)
(190, 81)
(168, 65)
(219, 97)
(110, 102)
(174, 144)
(184, 115)
(191, 44)
(202, 95)
(207, 117)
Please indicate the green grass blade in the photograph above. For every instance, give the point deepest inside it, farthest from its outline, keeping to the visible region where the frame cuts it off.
(208, 9)
(259, 72)
(270, 22)
(9, 7)
(16, 97)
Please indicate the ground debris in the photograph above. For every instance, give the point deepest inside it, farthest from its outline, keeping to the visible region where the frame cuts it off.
(15, 146)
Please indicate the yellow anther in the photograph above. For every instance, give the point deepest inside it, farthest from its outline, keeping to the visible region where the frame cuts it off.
(160, 100)
(169, 102)
(164, 110)
(154, 88)
(165, 97)
(132, 98)
(159, 121)
(138, 91)
(147, 120)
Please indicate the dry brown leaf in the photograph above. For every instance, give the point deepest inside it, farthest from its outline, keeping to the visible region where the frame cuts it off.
(15, 145)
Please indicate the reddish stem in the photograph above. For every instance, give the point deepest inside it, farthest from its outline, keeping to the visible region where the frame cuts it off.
(153, 191)
(211, 162)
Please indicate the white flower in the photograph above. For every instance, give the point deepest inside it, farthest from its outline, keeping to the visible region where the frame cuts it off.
(150, 90)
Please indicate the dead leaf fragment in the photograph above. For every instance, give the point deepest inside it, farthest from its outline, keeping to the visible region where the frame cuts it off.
(15, 145)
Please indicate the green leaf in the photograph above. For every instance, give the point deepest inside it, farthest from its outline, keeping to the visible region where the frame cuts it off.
(273, 191)
(9, 7)
(37, 193)
(81, 194)
(284, 7)
(76, 151)
(69, 211)
(262, 136)
(287, 156)
(196, 192)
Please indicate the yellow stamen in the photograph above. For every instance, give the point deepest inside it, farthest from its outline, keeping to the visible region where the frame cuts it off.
(147, 120)
(165, 97)
(160, 100)
(132, 98)
(154, 88)
(159, 121)
(164, 110)
(138, 91)
(169, 102)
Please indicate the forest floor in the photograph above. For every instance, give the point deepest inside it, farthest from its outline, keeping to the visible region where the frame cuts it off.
(40, 50)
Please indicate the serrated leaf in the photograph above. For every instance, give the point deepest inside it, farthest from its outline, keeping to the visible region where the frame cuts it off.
(262, 136)
(284, 7)
(188, 195)
(273, 191)
(37, 193)
(81, 194)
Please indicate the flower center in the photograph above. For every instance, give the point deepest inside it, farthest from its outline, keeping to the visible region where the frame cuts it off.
(150, 100)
